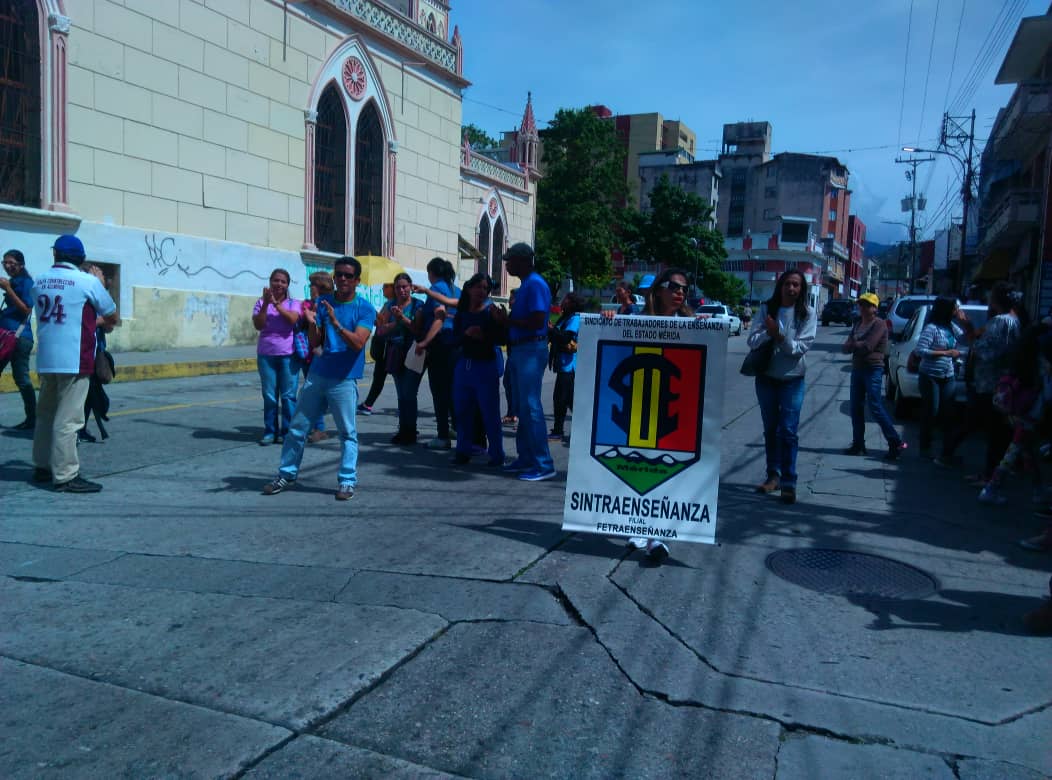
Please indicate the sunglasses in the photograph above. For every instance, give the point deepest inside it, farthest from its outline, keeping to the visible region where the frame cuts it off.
(675, 287)
(343, 275)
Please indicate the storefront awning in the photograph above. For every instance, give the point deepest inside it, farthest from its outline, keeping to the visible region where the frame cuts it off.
(995, 266)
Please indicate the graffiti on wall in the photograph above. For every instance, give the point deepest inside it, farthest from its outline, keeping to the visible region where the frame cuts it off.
(164, 256)
(216, 308)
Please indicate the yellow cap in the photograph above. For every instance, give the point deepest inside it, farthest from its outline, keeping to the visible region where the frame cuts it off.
(869, 298)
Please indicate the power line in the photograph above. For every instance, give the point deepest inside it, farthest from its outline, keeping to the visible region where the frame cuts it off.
(905, 70)
(927, 73)
(953, 62)
(994, 43)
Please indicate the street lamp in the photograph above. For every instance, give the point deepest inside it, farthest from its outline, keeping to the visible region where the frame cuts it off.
(966, 192)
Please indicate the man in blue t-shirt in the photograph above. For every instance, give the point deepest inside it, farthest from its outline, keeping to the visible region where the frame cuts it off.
(528, 359)
(340, 325)
(17, 310)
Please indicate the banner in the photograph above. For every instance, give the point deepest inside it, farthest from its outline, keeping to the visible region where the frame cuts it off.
(647, 417)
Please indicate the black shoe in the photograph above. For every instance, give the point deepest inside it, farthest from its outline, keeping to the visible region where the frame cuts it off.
(856, 449)
(894, 450)
(77, 485)
(83, 435)
(42, 475)
(460, 459)
(26, 425)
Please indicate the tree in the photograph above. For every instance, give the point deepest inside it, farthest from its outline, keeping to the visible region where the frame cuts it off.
(580, 198)
(675, 231)
(478, 138)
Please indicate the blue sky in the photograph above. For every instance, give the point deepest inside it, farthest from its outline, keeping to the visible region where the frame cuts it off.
(828, 76)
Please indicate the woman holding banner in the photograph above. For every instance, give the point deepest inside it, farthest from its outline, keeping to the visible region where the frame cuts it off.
(666, 297)
(790, 324)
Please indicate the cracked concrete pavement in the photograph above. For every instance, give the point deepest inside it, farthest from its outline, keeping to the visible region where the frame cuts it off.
(441, 624)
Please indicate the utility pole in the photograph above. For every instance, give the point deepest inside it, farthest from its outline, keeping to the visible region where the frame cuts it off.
(953, 131)
(911, 176)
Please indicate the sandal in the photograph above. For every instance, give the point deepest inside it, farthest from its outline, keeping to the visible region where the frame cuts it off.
(509, 420)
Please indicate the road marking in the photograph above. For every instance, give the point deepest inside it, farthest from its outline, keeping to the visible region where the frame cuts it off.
(173, 407)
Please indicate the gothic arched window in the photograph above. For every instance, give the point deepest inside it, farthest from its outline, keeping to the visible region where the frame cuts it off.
(330, 174)
(20, 104)
(369, 183)
(496, 254)
(432, 25)
(483, 244)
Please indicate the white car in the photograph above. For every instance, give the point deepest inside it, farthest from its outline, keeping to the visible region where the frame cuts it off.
(902, 386)
(720, 312)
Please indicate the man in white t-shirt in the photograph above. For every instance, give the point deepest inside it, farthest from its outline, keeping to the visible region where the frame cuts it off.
(69, 304)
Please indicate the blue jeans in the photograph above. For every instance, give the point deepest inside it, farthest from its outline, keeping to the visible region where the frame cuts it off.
(936, 407)
(407, 386)
(866, 386)
(341, 395)
(528, 362)
(477, 386)
(780, 404)
(277, 379)
(298, 365)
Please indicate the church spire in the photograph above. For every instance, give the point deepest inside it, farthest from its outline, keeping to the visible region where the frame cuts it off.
(527, 136)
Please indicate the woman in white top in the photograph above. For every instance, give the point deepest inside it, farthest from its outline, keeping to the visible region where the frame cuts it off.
(791, 324)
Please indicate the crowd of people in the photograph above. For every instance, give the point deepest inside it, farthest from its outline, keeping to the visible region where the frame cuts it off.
(468, 345)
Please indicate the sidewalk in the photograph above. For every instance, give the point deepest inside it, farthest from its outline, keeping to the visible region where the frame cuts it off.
(165, 364)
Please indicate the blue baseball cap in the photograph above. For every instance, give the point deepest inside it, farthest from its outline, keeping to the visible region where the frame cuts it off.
(69, 246)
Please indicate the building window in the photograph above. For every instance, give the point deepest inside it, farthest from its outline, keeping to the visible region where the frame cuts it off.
(735, 225)
(483, 244)
(330, 174)
(771, 172)
(769, 214)
(432, 25)
(368, 183)
(832, 215)
(20, 106)
(795, 232)
(496, 270)
(770, 192)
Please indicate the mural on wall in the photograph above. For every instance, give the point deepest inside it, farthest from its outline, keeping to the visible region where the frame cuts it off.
(164, 256)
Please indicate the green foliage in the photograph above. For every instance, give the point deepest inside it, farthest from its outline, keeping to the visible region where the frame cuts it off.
(579, 198)
(478, 138)
(675, 232)
(724, 287)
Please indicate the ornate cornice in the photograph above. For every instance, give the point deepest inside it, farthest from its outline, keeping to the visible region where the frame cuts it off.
(401, 30)
(489, 170)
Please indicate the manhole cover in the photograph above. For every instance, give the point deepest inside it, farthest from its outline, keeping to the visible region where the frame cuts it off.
(851, 574)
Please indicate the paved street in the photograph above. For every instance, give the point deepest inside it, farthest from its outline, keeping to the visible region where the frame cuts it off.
(181, 624)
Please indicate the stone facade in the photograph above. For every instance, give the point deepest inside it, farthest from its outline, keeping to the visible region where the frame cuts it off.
(178, 143)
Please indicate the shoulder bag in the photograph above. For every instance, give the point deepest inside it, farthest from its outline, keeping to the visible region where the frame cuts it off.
(9, 340)
(758, 360)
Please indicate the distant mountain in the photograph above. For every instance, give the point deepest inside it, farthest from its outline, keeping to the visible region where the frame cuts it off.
(875, 248)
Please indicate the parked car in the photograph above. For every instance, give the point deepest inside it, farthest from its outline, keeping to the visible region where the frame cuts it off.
(902, 386)
(903, 308)
(720, 312)
(840, 310)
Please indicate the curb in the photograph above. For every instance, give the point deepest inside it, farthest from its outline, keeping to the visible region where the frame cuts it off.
(140, 372)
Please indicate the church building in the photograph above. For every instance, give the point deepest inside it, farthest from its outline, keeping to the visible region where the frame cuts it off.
(195, 145)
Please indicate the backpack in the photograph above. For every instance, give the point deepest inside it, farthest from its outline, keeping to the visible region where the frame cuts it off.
(1012, 397)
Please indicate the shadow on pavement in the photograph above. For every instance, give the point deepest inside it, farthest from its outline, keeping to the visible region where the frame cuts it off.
(997, 613)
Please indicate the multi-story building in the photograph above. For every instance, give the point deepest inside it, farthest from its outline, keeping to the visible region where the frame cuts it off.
(641, 133)
(701, 178)
(802, 200)
(1015, 209)
(194, 146)
(856, 250)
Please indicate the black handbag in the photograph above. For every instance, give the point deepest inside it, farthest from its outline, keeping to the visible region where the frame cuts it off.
(394, 357)
(758, 360)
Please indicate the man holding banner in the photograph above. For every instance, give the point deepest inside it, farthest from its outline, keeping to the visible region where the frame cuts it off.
(645, 446)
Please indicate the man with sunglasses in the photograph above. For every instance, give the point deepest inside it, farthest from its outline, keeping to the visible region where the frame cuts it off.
(341, 325)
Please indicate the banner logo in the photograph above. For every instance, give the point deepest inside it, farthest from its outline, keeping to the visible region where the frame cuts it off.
(649, 410)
